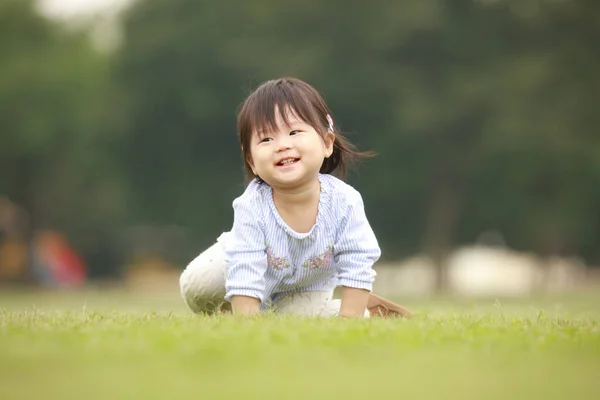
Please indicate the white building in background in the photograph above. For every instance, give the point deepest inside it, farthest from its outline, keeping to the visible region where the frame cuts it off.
(483, 271)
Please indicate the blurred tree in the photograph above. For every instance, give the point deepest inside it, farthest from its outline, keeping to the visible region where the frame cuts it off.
(482, 112)
(480, 119)
(534, 173)
(55, 142)
(491, 113)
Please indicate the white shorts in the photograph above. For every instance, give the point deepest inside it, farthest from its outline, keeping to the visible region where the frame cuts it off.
(202, 285)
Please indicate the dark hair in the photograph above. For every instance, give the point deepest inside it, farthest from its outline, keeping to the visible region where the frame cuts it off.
(290, 94)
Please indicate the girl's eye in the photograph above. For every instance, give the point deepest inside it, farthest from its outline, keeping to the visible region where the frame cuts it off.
(294, 132)
(264, 140)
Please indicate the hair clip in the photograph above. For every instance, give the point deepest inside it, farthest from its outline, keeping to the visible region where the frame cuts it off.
(330, 123)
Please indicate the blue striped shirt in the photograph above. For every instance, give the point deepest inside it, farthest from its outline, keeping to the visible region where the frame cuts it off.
(266, 259)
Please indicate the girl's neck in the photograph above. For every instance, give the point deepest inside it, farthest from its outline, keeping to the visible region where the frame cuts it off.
(300, 196)
(299, 208)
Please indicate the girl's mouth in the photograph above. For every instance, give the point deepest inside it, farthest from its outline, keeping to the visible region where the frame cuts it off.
(287, 162)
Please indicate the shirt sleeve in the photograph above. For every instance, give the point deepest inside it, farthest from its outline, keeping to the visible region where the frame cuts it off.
(356, 248)
(245, 251)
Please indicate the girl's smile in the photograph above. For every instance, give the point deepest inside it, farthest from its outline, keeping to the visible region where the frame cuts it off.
(287, 161)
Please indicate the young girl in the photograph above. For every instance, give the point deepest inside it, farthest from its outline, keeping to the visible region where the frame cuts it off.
(298, 232)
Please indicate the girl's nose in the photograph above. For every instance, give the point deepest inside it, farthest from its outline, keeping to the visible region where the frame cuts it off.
(284, 143)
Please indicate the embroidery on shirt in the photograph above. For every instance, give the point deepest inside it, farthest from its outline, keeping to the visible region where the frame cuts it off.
(278, 263)
(320, 261)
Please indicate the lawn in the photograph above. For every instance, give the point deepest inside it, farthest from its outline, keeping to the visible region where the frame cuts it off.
(101, 345)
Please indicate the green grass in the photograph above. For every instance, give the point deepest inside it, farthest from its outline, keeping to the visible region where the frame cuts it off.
(103, 345)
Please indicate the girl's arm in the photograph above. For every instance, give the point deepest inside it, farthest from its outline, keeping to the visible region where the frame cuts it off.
(246, 258)
(356, 250)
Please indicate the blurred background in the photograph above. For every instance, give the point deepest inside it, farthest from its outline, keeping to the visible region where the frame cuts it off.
(119, 158)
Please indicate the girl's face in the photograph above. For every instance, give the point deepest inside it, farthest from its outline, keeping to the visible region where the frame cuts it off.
(290, 156)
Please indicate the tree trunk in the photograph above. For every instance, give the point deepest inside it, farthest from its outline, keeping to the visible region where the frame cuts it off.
(442, 221)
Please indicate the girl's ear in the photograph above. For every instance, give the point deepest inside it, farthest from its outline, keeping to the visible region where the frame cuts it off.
(249, 161)
(251, 164)
(329, 140)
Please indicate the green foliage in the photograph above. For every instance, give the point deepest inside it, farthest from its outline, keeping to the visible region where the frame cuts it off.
(56, 144)
(482, 112)
(472, 108)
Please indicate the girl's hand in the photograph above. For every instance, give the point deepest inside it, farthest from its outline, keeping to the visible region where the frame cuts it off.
(354, 302)
(244, 305)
